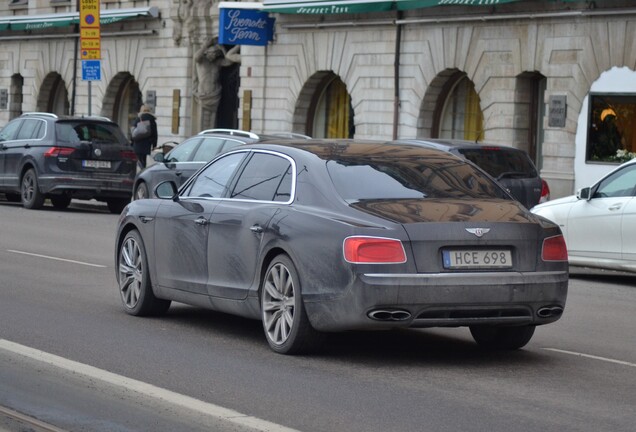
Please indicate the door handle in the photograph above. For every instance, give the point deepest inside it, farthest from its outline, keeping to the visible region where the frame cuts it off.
(257, 229)
(615, 207)
(201, 221)
(178, 173)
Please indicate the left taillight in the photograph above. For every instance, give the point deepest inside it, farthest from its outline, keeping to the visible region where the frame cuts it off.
(373, 250)
(53, 152)
(554, 249)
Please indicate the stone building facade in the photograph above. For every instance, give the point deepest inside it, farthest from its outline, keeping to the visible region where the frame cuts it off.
(507, 72)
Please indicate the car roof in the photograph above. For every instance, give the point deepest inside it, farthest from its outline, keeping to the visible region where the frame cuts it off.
(451, 144)
(53, 116)
(329, 149)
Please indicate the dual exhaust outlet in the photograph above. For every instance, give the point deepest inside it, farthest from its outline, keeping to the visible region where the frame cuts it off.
(550, 311)
(389, 315)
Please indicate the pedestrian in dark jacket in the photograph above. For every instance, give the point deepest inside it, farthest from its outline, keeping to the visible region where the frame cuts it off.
(143, 146)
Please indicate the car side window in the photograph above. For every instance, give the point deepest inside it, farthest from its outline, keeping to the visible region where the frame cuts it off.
(184, 151)
(10, 131)
(30, 129)
(214, 180)
(230, 144)
(619, 184)
(266, 177)
(209, 148)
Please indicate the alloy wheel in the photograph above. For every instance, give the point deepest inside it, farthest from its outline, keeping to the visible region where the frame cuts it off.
(278, 304)
(130, 272)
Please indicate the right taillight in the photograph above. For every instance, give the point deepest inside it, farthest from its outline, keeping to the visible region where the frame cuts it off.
(128, 154)
(554, 249)
(545, 192)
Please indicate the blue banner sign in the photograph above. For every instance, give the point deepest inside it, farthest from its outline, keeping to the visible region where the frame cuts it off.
(245, 27)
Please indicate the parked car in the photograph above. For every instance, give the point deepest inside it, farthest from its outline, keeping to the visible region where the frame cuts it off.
(186, 158)
(320, 236)
(43, 155)
(511, 167)
(599, 222)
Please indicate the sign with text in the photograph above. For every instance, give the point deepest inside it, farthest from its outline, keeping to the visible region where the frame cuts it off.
(91, 70)
(90, 37)
(557, 113)
(245, 27)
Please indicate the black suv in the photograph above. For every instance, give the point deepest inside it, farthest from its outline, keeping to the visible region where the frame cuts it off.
(511, 167)
(43, 155)
(186, 158)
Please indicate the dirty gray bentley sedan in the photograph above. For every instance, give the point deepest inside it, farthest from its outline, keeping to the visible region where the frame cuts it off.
(321, 236)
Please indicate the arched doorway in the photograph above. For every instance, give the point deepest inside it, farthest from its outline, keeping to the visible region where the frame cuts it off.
(122, 101)
(324, 108)
(53, 97)
(458, 112)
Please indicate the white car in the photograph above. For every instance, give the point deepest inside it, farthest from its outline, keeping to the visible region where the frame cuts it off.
(599, 222)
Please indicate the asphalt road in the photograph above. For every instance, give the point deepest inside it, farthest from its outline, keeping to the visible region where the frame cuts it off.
(58, 297)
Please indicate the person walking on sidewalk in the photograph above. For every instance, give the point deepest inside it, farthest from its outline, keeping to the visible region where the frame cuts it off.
(143, 145)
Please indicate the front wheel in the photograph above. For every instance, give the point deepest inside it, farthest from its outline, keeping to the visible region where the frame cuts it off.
(287, 328)
(134, 279)
(509, 338)
(32, 198)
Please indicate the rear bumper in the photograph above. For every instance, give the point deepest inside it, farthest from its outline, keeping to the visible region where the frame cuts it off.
(103, 186)
(442, 300)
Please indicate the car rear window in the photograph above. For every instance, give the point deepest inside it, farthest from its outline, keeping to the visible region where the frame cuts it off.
(407, 179)
(500, 162)
(77, 131)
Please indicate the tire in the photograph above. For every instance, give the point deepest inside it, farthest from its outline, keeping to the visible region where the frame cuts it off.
(13, 197)
(508, 338)
(141, 192)
(60, 202)
(133, 277)
(32, 198)
(116, 205)
(287, 328)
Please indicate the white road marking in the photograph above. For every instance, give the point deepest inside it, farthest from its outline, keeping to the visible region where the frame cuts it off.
(187, 402)
(55, 258)
(590, 356)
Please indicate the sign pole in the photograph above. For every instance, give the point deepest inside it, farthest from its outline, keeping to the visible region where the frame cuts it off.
(90, 44)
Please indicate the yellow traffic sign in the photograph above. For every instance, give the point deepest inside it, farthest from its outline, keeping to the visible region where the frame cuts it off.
(90, 54)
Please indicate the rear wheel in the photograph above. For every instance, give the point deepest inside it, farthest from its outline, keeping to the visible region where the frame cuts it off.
(116, 205)
(32, 198)
(60, 201)
(509, 338)
(141, 192)
(134, 279)
(287, 328)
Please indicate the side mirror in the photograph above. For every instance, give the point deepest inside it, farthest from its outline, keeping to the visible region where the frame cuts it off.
(159, 157)
(584, 194)
(166, 190)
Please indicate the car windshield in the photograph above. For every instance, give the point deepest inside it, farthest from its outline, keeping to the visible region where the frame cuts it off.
(77, 131)
(500, 162)
(372, 179)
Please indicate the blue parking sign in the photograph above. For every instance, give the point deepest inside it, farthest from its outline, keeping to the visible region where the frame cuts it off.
(91, 70)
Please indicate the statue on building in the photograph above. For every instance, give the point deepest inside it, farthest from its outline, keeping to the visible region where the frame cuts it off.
(206, 89)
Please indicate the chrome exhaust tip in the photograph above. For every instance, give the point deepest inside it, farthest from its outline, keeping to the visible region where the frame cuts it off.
(550, 311)
(389, 315)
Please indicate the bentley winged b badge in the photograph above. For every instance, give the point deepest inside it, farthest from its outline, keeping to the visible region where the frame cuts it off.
(479, 232)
